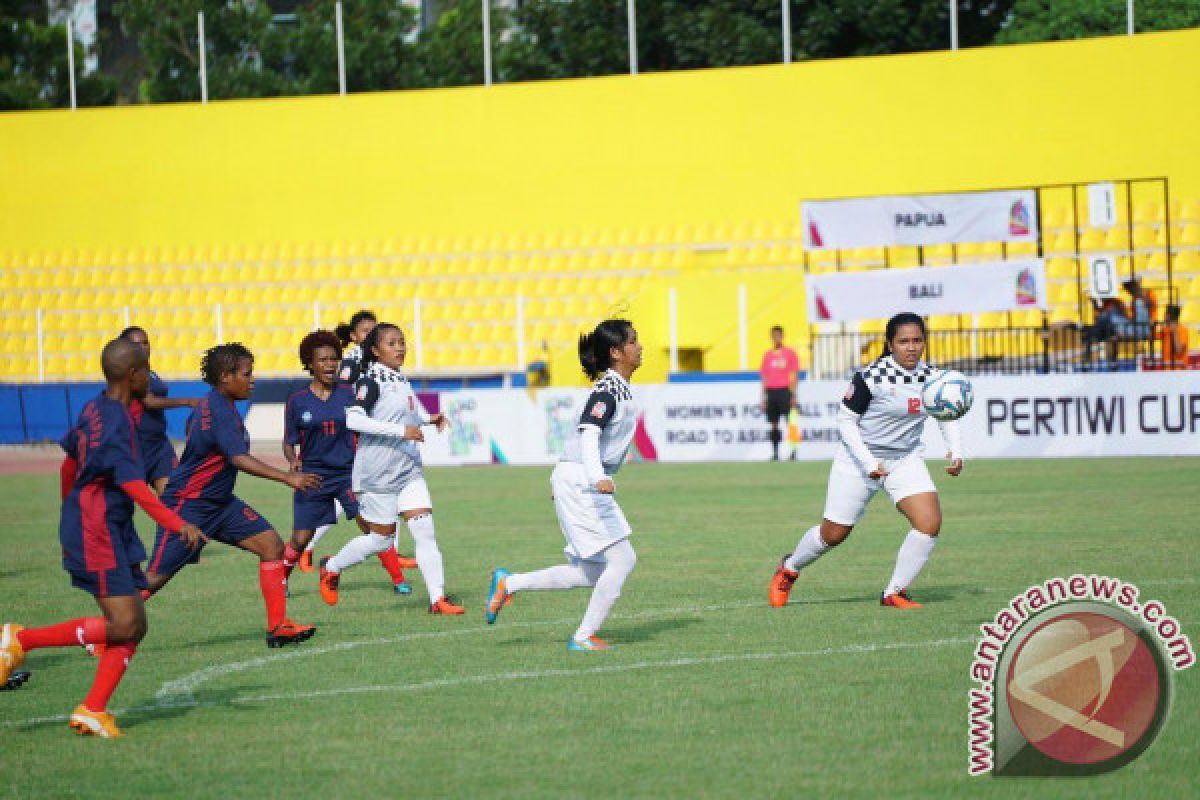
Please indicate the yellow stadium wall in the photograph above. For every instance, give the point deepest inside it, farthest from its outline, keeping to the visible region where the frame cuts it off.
(689, 147)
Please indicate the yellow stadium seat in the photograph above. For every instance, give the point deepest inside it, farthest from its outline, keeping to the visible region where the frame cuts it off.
(1191, 235)
(1148, 213)
(1061, 269)
(1189, 210)
(1091, 240)
(1061, 243)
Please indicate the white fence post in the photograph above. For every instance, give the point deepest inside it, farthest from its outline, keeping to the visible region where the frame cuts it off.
(487, 42)
(787, 31)
(953, 24)
(1129, 17)
(316, 315)
(743, 347)
(631, 22)
(341, 47)
(41, 348)
(521, 362)
(673, 328)
(71, 56)
(418, 349)
(220, 323)
(127, 316)
(203, 57)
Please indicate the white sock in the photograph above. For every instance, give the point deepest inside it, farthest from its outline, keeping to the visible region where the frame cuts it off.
(564, 576)
(910, 560)
(358, 550)
(810, 548)
(429, 558)
(317, 534)
(619, 561)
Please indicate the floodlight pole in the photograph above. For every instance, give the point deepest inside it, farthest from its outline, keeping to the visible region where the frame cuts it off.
(41, 348)
(416, 331)
(203, 57)
(953, 24)
(1129, 17)
(787, 30)
(71, 59)
(631, 22)
(341, 47)
(487, 42)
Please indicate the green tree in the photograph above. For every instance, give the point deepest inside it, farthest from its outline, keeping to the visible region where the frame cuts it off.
(33, 66)
(837, 28)
(450, 52)
(247, 55)
(1050, 20)
(378, 40)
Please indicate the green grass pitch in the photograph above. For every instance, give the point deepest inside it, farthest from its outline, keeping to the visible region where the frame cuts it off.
(709, 693)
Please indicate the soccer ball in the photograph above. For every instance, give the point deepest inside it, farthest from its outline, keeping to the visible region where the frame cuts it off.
(948, 395)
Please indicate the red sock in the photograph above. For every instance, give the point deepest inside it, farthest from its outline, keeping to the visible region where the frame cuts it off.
(391, 562)
(272, 579)
(290, 556)
(146, 594)
(76, 633)
(109, 672)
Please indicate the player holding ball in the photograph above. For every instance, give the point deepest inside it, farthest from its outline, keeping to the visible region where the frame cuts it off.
(881, 421)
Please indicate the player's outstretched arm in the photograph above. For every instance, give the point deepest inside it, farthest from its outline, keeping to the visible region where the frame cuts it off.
(360, 421)
(252, 466)
(155, 403)
(171, 522)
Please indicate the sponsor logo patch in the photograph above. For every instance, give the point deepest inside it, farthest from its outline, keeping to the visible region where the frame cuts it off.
(598, 409)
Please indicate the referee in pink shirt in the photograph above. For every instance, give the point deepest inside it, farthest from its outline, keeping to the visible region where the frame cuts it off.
(779, 371)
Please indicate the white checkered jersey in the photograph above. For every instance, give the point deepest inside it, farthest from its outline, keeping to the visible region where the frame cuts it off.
(888, 399)
(386, 463)
(610, 408)
(348, 370)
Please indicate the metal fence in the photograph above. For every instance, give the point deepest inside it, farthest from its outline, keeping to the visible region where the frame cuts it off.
(996, 351)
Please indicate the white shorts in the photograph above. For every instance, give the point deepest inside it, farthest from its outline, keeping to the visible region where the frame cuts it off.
(384, 508)
(590, 521)
(850, 489)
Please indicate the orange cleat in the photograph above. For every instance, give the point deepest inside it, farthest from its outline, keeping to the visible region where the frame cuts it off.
(781, 584)
(12, 655)
(443, 606)
(590, 643)
(305, 563)
(86, 722)
(329, 584)
(898, 600)
(288, 632)
(405, 562)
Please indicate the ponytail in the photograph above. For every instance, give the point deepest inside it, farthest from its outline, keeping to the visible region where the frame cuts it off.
(342, 332)
(595, 348)
(368, 345)
(893, 325)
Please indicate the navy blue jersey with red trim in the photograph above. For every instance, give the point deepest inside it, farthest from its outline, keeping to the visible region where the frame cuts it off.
(318, 427)
(215, 436)
(104, 445)
(152, 424)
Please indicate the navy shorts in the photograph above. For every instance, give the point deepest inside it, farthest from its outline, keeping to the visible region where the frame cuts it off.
(311, 510)
(100, 547)
(159, 457)
(229, 522)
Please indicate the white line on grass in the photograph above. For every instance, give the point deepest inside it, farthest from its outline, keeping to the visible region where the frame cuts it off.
(504, 677)
(181, 690)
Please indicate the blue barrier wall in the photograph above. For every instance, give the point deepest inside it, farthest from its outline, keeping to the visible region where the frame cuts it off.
(43, 412)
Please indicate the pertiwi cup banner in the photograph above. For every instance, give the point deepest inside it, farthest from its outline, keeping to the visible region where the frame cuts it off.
(1026, 416)
(1009, 216)
(960, 289)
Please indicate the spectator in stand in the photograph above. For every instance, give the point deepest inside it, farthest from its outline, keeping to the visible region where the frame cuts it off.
(779, 371)
(1173, 340)
(1115, 321)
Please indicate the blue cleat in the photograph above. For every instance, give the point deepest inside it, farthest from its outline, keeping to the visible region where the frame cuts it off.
(498, 596)
(590, 643)
(402, 587)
